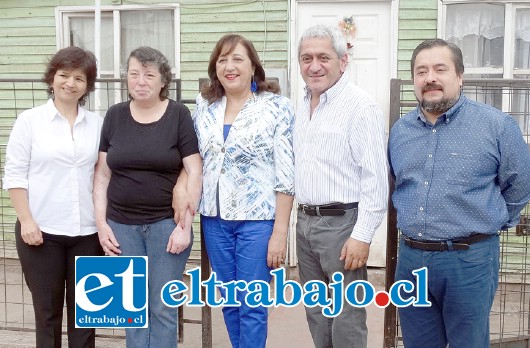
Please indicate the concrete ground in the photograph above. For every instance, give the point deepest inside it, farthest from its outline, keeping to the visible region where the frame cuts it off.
(287, 327)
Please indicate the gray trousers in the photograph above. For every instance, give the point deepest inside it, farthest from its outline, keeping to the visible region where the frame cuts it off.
(319, 241)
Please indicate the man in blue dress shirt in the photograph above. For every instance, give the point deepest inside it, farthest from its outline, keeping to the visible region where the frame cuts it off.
(462, 172)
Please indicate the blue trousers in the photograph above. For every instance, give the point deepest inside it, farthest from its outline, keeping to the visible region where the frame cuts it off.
(461, 287)
(238, 251)
(151, 240)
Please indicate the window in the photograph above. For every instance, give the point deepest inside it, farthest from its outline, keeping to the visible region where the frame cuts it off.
(494, 37)
(123, 28)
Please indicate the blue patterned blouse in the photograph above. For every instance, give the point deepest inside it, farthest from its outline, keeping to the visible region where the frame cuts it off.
(254, 162)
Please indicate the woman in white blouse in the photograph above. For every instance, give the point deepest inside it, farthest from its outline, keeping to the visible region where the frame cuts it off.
(49, 168)
(244, 129)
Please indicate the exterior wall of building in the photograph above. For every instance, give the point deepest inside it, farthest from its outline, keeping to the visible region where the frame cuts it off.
(28, 33)
(28, 39)
(417, 22)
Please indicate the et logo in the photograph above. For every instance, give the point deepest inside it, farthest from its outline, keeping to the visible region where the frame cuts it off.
(111, 292)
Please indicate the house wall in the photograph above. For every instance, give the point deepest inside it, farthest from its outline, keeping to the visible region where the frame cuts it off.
(417, 22)
(28, 37)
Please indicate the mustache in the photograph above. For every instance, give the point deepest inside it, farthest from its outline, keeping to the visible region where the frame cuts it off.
(431, 87)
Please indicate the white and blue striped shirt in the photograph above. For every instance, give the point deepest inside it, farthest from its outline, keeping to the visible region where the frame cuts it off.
(340, 154)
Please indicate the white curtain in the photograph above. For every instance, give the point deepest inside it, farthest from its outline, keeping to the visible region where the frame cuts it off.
(148, 28)
(82, 35)
(521, 99)
(138, 28)
(478, 29)
(522, 39)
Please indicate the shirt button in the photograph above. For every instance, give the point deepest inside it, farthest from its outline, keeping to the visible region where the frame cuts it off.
(426, 183)
(420, 234)
(222, 171)
(430, 155)
(223, 150)
(421, 208)
(434, 130)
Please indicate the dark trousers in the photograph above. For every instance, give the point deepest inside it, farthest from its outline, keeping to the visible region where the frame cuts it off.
(47, 268)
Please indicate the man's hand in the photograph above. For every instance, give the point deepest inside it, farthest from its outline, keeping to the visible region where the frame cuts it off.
(355, 253)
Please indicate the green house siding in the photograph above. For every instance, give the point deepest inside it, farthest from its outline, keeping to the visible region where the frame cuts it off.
(28, 39)
(417, 22)
(28, 33)
(264, 23)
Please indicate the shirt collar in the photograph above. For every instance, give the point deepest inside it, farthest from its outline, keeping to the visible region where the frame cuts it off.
(53, 112)
(332, 92)
(447, 116)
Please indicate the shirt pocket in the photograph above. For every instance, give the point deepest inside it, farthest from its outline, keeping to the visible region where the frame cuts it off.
(331, 142)
(460, 169)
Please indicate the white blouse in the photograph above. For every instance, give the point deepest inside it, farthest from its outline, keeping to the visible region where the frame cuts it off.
(56, 167)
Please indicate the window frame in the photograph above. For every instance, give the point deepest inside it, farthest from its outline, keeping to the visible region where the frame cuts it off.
(63, 13)
(510, 12)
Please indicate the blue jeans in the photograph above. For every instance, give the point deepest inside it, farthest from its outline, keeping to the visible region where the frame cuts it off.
(238, 251)
(461, 287)
(151, 240)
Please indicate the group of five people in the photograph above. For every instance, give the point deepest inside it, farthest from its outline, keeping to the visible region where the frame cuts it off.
(130, 185)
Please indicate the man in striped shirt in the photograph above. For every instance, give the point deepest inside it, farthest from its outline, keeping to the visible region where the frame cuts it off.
(341, 180)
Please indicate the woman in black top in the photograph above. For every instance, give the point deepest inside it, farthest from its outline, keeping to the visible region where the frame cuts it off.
(145, 142)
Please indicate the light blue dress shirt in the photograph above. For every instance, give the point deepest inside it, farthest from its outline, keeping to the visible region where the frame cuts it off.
(468, 173)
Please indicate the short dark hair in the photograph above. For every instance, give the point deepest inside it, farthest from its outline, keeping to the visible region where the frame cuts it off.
(148, 55)
(72, 58)
(215, 90)
(458, 60)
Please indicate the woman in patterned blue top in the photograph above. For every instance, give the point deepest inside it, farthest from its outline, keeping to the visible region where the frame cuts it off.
(245, 139)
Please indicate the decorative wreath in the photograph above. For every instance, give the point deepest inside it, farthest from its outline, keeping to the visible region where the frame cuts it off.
(348, 28)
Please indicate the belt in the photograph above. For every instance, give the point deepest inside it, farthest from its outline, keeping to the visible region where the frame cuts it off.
(331, 209)
(458, 244)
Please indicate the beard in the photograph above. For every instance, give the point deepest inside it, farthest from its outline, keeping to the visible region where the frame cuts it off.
(437, 106)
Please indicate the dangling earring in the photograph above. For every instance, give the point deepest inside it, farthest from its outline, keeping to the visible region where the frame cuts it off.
(253, 85)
